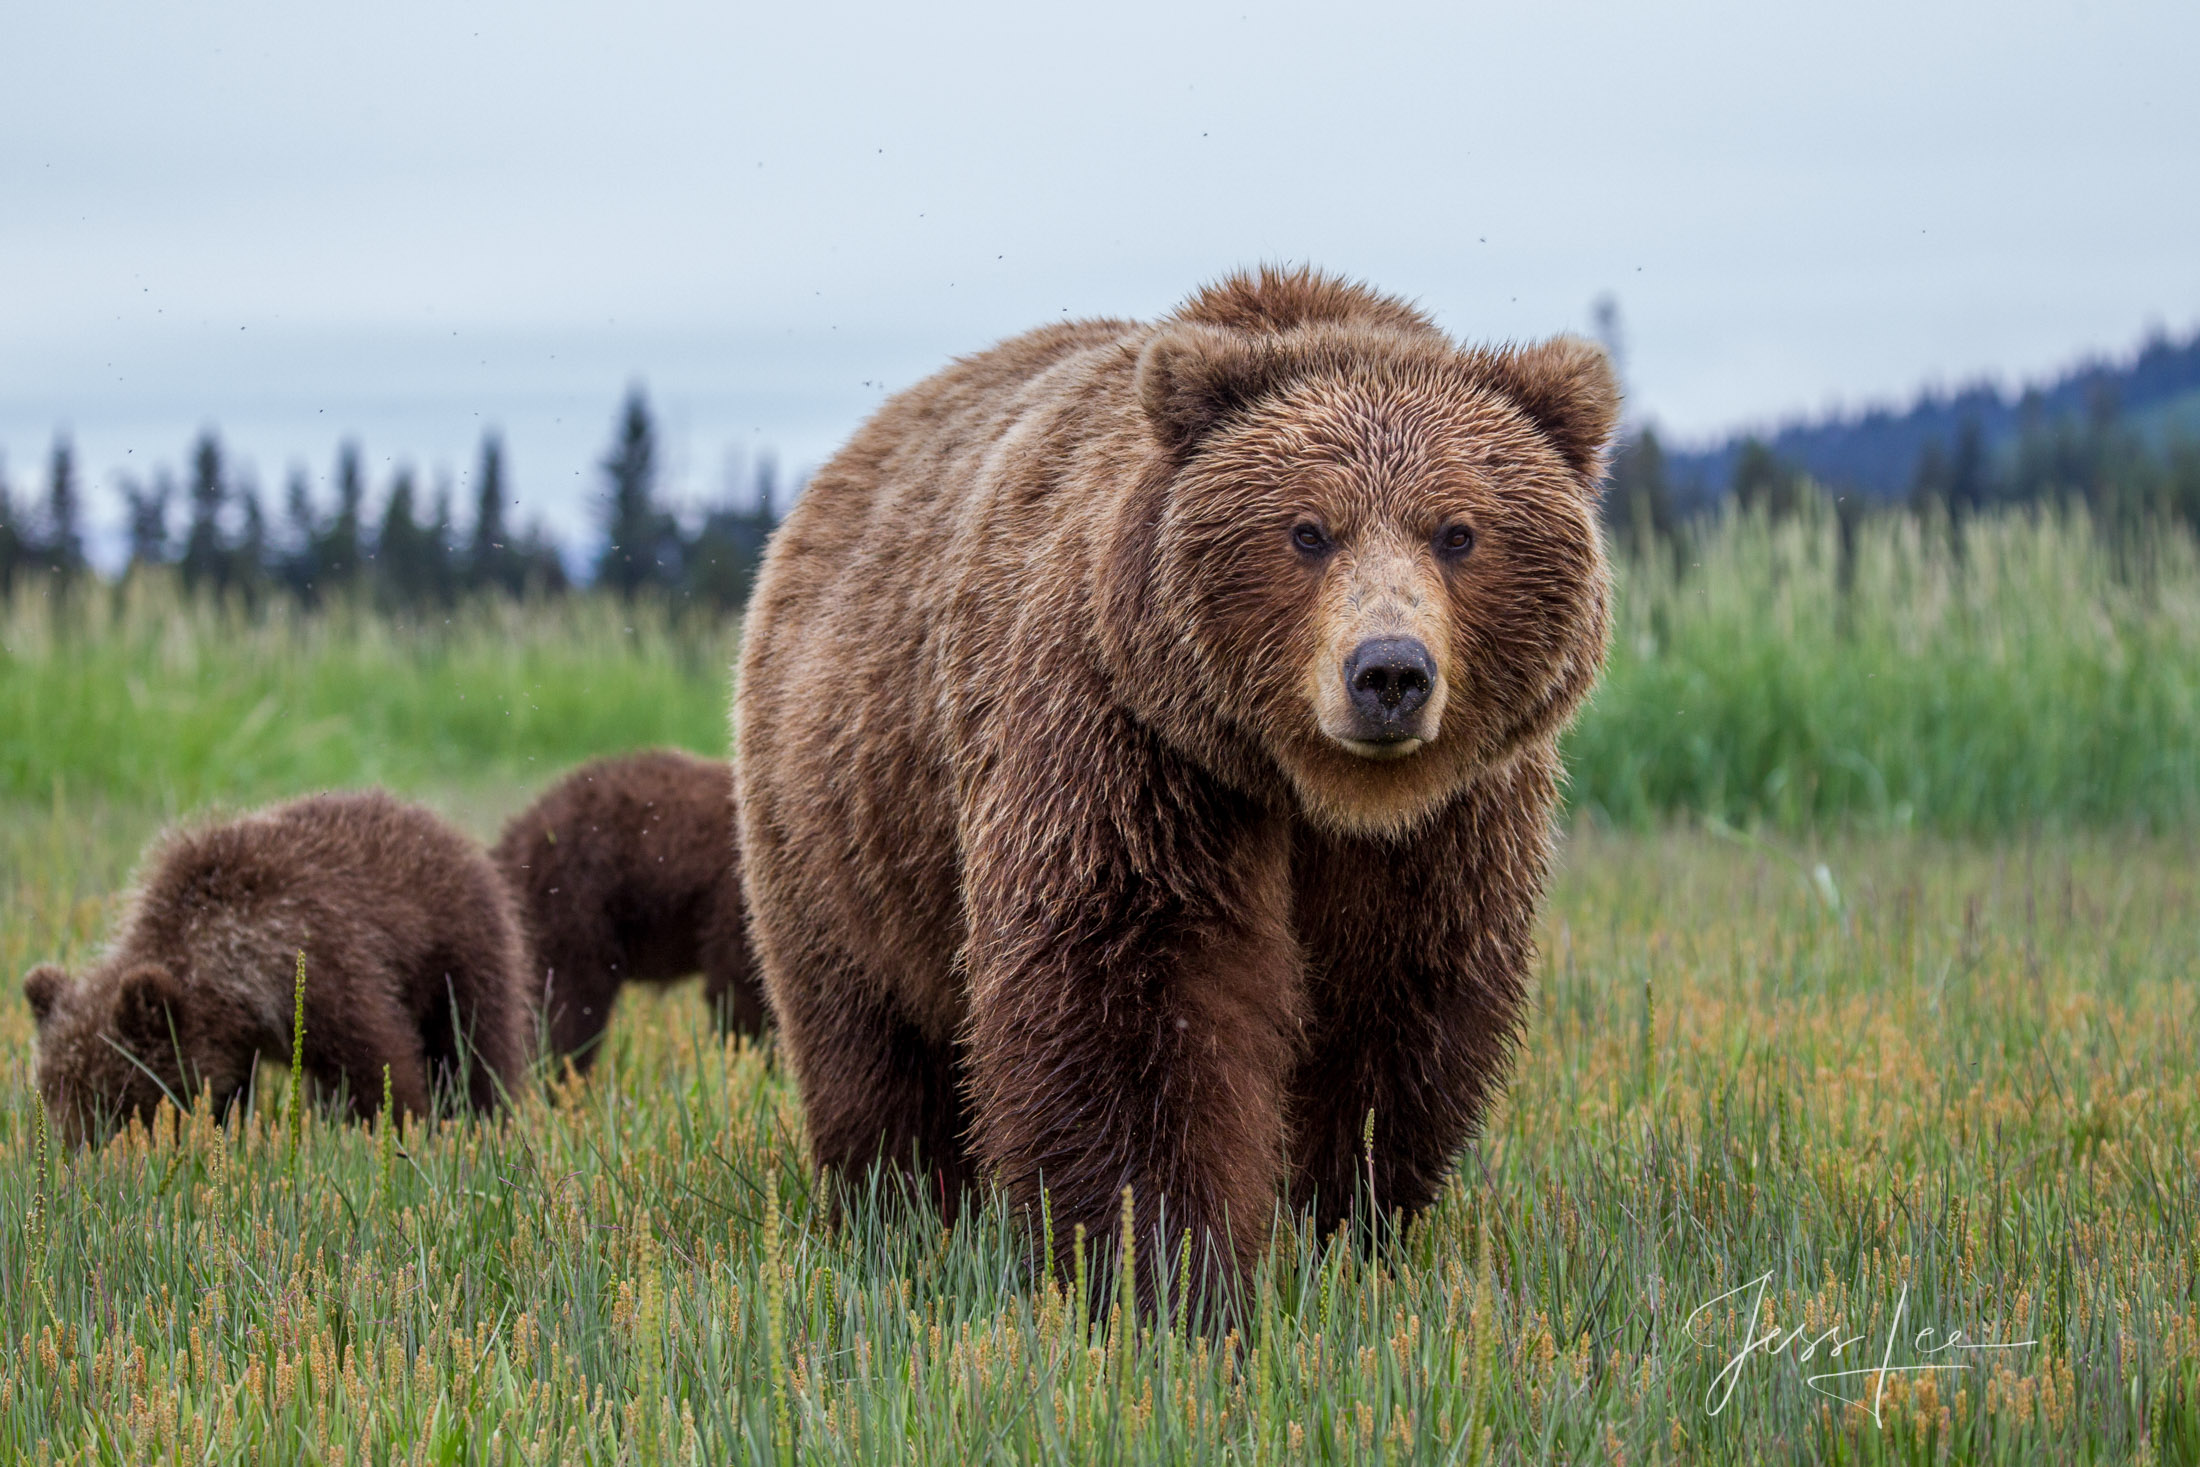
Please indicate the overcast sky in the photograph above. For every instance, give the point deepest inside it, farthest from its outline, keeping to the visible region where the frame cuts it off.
(407, 221)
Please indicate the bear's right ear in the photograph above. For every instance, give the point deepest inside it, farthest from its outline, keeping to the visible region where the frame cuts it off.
(43, 987)
(1567, 386)
(1192, 376)
(146, 1004)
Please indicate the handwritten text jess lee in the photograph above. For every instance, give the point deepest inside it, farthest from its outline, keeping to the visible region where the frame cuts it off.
(1774, 1341)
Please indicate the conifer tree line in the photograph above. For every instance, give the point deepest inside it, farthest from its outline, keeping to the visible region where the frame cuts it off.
(2117, 439)
(2100, 463)
(406, 549)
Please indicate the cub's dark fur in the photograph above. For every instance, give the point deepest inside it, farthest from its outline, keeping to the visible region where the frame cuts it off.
(414, 961)
(627, 870)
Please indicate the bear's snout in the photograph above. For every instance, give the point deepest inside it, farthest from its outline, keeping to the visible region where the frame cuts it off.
(1389, 680)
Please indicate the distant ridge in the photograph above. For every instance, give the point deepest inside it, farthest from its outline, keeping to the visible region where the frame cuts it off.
(1876, 452)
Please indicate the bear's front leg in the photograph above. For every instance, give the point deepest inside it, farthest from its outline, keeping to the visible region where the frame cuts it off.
(1134, 1000)
(1419, 953)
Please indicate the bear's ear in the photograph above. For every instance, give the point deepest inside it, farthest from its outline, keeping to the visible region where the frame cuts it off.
(147, 1004)
(1192, 376)
(1567, 387)
(43, 987)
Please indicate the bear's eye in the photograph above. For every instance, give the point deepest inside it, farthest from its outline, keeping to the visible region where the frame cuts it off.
(1456, 540)
(1308, 537)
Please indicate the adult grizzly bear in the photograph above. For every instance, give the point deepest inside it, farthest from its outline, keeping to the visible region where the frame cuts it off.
(414, 960)
(627, 871)
(1147, 750)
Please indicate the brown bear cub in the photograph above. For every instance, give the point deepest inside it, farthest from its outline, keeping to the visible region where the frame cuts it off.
(627, 871)
(1147, 746)
(413, 952)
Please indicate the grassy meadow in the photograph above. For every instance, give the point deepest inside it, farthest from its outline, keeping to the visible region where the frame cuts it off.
(1868, 1008)
(1991, 676)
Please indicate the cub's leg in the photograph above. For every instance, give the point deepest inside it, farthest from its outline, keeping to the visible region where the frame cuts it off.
(355, 1026)
(475, 1028)
(731, 985)
(1418, 955)
(360, 1068)
(578, 973)
(1134, 991)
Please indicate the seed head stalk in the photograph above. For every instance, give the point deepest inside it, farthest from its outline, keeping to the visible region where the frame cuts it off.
(775, 1324)
(298, 1065)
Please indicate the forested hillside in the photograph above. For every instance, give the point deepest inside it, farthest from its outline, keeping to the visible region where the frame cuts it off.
(1977, 443)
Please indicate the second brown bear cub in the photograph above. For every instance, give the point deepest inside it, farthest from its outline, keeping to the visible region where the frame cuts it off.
(627, 871)
(413, 954)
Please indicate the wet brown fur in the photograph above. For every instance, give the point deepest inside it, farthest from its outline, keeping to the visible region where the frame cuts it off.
(1055, 870)
(413, 953)
(627, 870)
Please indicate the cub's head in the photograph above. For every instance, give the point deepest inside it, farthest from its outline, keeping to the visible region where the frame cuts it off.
(1371, 555)
(110, 1045)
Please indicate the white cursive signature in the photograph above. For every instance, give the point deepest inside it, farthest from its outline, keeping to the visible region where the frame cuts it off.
(1776, 1341)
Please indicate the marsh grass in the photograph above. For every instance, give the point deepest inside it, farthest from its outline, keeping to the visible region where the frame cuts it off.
(141, 696)
(2008, 673)
(1992, 676)
(1884, 1071)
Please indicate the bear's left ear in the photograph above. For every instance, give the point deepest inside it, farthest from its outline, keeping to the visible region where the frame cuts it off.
(1192, 376)
(43, 987)
(1566, 386)
(147, 1006)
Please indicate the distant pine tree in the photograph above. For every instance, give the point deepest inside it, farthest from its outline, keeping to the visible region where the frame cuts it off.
(412, 556)
(249, 558)
(396, 553)
(641, 542)
(62, 547)
(1970, 476)
(2115, 482)
(204, 565)
(147, 513)
(1638, 495)
(767, 489)
(438, 566)
(492, 563)
(12, 548)
(721, 562)
(539, 565)
(1763, 480)
(1929, 481)
(339, 548)
(298, 567)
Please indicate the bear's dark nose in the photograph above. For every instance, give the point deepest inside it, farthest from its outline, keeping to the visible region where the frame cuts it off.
(1390, 678)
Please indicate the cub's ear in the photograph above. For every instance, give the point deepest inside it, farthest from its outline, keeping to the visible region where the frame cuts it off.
(1566, 385)
(146, 1005)
(1192, 376)
(43, 987)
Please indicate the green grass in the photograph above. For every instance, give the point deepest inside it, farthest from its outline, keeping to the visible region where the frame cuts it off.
(1886, 1066)
(145, 697)
(2018, 675)
(1885, 1072)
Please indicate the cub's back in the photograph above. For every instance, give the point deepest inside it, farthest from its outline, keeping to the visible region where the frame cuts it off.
(362, 870)
(629, 831)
